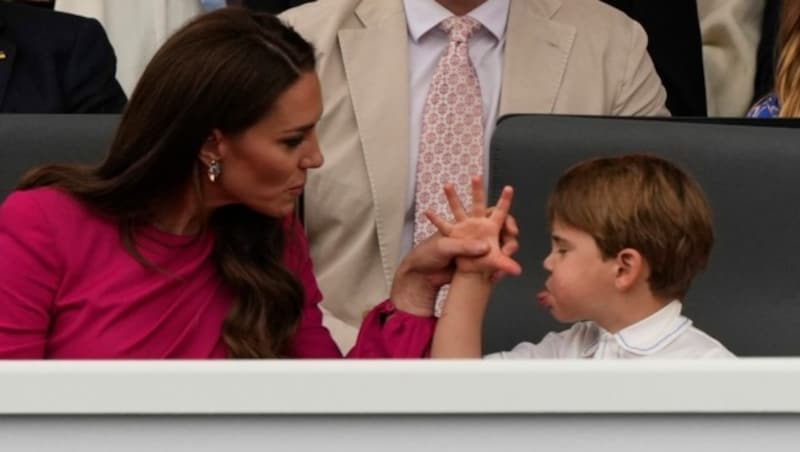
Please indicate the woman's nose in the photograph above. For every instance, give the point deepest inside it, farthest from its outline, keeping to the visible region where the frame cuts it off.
(314, 159)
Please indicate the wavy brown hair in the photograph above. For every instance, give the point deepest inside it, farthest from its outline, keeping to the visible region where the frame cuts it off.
(224, 70)
(787, 74)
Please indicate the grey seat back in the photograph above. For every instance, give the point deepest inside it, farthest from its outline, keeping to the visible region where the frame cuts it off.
(27, 141)
(749, 297)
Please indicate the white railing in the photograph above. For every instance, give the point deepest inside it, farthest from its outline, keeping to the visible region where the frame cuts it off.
(399, 387)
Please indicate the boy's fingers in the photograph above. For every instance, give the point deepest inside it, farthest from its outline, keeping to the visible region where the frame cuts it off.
(451, 248)
(509, 241)
(507, 265)
(478, 197)
(502, 265)
(455, 204)
(503, 205)
(497, 276)
(441, 224)
(511, 225)
(510, 247)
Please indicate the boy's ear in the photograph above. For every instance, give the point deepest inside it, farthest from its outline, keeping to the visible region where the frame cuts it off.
(631, 267)
(214, 148)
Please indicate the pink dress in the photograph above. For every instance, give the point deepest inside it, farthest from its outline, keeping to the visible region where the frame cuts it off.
(70, 290)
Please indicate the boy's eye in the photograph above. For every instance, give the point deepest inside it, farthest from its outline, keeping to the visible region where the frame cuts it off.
(561, 251)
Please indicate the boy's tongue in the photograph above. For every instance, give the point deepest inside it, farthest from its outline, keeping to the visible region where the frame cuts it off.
(544, 298)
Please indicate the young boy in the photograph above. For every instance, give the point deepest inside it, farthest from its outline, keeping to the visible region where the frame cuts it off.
(628, 236)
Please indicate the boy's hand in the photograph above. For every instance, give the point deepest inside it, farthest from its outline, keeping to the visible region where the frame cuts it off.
(427, 268)
(479, 224)
(509, 241)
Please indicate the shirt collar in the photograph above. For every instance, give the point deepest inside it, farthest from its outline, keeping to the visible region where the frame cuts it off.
(423, 16)
(648, 335)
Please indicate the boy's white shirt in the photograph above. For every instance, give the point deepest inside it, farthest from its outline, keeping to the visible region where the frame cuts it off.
(665, 334)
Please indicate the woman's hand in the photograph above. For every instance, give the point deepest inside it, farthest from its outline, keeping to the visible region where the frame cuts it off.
(481, 224)
(428, 267)
(431, 264)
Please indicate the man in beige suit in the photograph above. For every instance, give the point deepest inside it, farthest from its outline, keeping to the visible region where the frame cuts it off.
(375, 62)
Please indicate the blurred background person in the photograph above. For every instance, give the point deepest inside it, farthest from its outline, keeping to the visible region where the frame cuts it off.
(784, 100)
(55, 63)
(675, 45)
(767, 54)
(47, 4)
(136, 29)
(731, 31)
(721, 60)
(270, 6)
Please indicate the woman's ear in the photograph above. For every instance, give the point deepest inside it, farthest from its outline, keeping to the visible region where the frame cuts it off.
(631, 267)
(214, 148)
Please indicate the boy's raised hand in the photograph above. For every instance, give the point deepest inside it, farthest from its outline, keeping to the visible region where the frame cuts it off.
(479, 223)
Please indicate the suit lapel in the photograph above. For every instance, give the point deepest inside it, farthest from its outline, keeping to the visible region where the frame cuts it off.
(8, 51)
(376, 63)
(536, 54)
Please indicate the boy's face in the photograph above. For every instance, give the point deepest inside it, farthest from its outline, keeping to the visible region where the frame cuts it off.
(581, 283)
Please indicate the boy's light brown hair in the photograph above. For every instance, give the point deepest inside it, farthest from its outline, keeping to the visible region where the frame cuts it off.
(641, 202)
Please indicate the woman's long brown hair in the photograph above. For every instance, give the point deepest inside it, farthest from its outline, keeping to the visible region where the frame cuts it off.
(787, 74)
(224, 70)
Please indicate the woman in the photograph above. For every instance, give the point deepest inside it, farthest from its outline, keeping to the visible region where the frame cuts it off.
(183, 243)
(784, 102)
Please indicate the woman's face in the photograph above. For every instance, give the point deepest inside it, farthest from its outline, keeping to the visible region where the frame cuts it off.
(265, 166)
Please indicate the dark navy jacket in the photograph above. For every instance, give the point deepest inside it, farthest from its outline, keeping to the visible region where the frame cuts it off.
(53, 62)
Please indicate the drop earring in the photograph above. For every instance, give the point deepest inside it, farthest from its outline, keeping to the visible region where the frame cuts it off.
(214, 171)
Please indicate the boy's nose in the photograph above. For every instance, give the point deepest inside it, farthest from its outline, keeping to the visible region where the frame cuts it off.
(548, 262)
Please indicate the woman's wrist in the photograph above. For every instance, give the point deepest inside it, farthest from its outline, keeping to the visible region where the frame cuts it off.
(403, 305)
(411, 293)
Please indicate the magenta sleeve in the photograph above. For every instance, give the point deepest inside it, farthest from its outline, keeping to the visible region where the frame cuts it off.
(30, 271)
(389, 333)
(385, 331)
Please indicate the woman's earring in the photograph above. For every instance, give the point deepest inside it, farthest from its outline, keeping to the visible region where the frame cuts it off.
(214, 170)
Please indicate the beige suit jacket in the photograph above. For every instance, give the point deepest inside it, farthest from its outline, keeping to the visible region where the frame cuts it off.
(561, 56)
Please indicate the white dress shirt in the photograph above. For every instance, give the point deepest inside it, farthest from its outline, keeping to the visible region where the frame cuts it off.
(427, 43)
(665, 334)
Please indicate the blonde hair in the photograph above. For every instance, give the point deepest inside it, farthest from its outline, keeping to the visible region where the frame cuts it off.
(787, 74)
(641, 202)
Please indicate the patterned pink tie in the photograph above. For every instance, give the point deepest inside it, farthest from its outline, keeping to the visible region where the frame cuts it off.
(451, 144)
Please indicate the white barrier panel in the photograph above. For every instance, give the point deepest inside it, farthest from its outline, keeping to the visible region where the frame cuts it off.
(745, 404)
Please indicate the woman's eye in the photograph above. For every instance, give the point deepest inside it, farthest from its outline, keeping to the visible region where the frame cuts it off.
(293, 142)
(561, 251)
